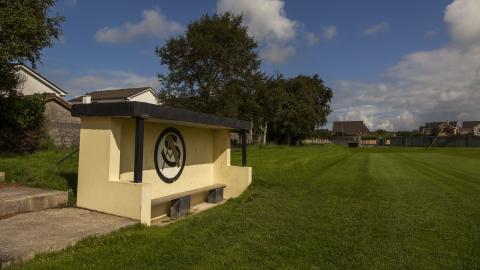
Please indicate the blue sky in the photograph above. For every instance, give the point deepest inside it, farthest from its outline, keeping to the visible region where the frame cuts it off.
(377, 55)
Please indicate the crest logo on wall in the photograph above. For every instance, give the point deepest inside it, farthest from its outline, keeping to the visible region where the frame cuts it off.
(170, 155)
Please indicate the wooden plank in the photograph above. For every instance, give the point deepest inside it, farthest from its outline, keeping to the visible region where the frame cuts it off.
(186, 193)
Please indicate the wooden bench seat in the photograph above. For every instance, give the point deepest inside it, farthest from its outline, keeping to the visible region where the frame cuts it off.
(180, 202)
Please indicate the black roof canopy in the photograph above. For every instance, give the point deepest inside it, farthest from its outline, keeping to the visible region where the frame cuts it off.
(152, 111)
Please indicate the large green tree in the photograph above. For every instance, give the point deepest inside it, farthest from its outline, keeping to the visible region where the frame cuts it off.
(302, 105)
(213, 68)
(26, 27)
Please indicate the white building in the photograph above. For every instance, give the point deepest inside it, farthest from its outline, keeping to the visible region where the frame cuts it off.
(33, 83)
(470, 128)
(142, 94)
(61, 126)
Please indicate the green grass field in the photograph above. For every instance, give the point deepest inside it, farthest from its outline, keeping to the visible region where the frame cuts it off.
(314, 208)
(40, 170)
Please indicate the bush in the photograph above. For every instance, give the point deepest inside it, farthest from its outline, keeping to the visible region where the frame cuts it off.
(21, 123)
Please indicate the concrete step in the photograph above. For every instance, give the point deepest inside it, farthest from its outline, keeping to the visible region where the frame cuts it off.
(22, 236)
(19, 199)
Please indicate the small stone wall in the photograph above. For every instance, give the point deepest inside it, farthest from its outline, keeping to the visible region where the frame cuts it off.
(61, 126)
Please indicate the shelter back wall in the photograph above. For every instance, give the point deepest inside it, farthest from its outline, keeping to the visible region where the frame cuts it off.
(198, 170)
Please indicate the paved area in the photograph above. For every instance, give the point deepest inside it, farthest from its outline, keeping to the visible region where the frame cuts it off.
(16, 199)
(24, 235)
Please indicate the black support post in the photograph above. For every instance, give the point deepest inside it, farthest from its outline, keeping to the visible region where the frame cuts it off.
(244, 148)
(138, 162)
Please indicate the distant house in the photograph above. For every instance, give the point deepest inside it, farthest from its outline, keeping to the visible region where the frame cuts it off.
(447, 128)
(61, 127)
(470, 128)
(142, 94)
(34, 83)
(351, 128)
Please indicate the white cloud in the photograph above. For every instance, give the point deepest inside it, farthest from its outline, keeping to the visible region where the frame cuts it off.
(153, 24)
(312, 38)
(462, 18)
(376, 29)
(365, 113)
(330, 32)
(436, 85)
(268, 23)
(277, 54)
(266, 19)
(78, 82)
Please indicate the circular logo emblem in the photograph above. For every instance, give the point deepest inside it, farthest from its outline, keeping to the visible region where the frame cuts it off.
(170, 155)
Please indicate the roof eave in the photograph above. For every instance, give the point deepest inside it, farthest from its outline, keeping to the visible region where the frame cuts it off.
(43, 80)
(147, 110)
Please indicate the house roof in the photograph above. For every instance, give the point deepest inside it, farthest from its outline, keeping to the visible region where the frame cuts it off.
(152, 111)
(432, 124)
(437, 124)
(59, 100)
(470, 124)
(115, 93)
(350, 127)
(42, 79)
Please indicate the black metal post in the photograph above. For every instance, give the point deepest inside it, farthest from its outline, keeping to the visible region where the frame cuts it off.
(244, 148)
(138, 162)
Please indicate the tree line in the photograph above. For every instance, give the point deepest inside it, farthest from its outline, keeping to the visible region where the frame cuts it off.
(214, 68)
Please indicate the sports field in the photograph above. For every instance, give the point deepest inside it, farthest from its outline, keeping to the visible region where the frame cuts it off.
(315, 207)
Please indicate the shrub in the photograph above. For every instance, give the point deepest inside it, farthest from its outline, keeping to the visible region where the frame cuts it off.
(21, 123)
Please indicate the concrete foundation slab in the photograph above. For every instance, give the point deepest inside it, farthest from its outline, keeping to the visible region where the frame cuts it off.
(24, 235)
(20, 199)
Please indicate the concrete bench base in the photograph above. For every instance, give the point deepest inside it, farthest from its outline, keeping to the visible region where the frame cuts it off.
(215, 195)
(180, 207)
(15, 200)
(180, 203)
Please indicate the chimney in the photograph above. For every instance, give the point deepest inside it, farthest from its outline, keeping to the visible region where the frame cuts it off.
(87, 99)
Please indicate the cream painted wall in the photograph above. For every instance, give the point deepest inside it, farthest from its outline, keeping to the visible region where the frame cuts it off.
(99, 187)
(32, 86)
(107, 157)
(236, 179)
(198, 170)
